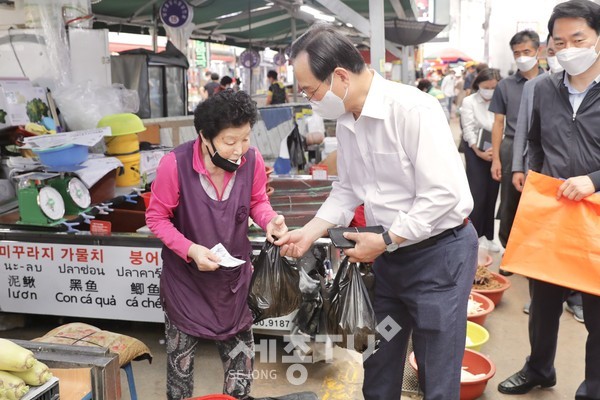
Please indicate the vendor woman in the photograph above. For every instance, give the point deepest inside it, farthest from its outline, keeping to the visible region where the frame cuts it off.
(203, 194)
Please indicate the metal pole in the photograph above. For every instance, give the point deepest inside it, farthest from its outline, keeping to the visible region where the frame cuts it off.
(405, 64)
(295, 84)
(377, 35)
(155, 28)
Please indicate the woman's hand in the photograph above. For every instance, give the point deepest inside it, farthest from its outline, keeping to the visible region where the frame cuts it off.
(205, 259)
(277, 228)
(496, 170)
(484, 155)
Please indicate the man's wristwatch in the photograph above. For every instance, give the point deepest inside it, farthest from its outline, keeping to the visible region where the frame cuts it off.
(390, 245)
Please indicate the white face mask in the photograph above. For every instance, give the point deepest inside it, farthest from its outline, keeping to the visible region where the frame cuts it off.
(525, 63)
(577, 60)
(555, 67)
(330, 106)
(486, 94)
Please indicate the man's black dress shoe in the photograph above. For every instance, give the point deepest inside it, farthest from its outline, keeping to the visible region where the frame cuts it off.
(520, 383)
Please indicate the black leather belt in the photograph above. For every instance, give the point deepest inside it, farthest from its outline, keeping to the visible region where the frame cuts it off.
(432, 240)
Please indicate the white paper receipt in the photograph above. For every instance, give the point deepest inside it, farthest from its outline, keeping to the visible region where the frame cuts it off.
(227, 260)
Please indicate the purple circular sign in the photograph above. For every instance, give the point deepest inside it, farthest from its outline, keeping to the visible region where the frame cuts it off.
(279, 59)
(250, 58)
(176, 13)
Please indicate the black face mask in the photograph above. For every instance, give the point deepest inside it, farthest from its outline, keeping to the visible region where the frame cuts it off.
(221, 162)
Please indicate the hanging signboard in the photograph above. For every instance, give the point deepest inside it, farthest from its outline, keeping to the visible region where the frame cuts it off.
(176, 13)
(200, 49)
(250, 58)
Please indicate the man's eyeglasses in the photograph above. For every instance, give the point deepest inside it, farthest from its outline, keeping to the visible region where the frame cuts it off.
(306, 96)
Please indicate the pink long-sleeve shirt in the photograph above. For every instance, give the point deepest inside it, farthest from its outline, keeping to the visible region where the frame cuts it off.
(165, 198)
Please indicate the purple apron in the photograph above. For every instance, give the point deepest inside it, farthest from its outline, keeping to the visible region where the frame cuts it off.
(211, 305)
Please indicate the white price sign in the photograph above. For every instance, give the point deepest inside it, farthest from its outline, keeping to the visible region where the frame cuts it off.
(112, 282)
(276, 324)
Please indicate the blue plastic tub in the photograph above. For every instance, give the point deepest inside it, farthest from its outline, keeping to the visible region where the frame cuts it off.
(63, 156)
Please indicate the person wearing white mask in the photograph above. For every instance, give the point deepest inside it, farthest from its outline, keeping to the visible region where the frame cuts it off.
(396, 154)
(476, 121)
(505, 105)
(564, 142)
(519, 164)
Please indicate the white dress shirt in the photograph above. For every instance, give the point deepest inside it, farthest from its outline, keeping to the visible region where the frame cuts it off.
(399, 159)
(474, 115)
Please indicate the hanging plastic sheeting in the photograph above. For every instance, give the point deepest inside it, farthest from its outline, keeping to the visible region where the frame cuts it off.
(50, 17)
(180, 36)
(84, 104)
(274, 290)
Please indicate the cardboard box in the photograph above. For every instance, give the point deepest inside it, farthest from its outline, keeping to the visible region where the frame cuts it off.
(73, 383)
(15, 95)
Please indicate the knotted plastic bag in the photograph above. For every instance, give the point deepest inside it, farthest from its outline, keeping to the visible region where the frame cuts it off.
(350, 313)
(309, 311)
(275, 285)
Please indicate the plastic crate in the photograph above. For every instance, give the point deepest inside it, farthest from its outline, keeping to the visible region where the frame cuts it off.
(47, 391)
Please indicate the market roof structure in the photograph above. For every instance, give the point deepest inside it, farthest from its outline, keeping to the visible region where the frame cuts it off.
(261, 23)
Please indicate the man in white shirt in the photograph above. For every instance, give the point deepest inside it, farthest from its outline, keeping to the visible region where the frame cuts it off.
(449, 88)
(396, 155)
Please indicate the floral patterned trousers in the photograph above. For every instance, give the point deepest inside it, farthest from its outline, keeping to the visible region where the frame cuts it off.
(237, 355)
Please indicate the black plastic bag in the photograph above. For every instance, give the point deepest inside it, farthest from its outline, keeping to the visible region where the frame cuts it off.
(309, 312)
(350, 312)
(275, 285)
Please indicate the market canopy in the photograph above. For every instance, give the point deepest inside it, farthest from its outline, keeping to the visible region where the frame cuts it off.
(410, 32)
(448, 55)
(262, 23)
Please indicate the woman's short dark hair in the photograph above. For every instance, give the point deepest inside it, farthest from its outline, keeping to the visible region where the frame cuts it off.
(224, 110)
(486, 75)
(586, 9)
(327, 49)
(525, 36)
(424, 85)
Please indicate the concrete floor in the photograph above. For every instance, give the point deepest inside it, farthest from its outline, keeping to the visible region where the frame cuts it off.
(341, 379)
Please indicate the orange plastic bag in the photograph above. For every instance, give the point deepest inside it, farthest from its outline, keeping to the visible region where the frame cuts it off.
(556, 241)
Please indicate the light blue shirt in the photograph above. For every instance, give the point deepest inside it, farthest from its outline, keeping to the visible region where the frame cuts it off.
(576, 97)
